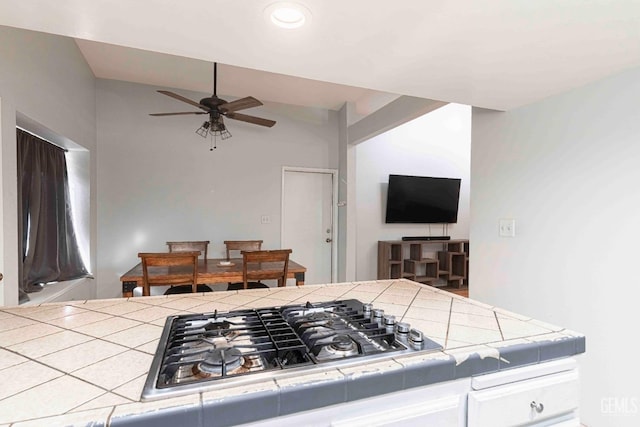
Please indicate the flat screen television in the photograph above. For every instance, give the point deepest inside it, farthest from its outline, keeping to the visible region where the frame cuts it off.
(422, 200)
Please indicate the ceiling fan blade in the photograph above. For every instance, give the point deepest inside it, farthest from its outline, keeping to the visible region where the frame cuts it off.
(183, 99)
(251, 119)
(177, 114)
(240, 104)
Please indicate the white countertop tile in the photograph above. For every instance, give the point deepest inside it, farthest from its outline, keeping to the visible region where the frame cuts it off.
(79, 356)
(318, 377)
(464, 307)
(239, 390)
(107, 345)
(514, 328)
(149, 347)
(48, 344)
(131, 389)
(394, 309)
(394, 299)
(85, 418)
(182, 303)
(473, 334)
(24, 376)
(54, 397)
(210, 306)
(125, 307)
(122, 368)
(263, 302)
(138, 408)
(427, 313)
(360, 295)
(477, 321)
(26, 333)
(433, 303)
(8, 358)
(149, 314)
(51, 312)
(78, 319)
(370, 368)
(107, 400)
(107, 326)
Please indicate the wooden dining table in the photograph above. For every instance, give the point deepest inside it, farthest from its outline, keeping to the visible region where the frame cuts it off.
(210, 271)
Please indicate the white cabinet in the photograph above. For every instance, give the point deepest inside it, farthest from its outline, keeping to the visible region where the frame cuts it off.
(438, 405)
(540, 395)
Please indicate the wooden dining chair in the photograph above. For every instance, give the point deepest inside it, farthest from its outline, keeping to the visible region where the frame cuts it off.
(173, 269)
(271, 265)
(196, 245)
(242, 245)
(188, 246)
(238, 246)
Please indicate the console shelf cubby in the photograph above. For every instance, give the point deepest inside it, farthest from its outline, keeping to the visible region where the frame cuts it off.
(447, 263)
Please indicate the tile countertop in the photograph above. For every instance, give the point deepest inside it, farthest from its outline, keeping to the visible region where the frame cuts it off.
(85, 362)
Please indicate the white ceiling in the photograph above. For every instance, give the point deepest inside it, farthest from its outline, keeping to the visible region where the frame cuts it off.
(497, 54)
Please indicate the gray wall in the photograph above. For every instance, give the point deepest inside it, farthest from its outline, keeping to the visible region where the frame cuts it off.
(45, 79)
(566, 169)
(158, 181)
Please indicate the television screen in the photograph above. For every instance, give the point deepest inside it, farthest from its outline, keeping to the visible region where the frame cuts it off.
(422, 200)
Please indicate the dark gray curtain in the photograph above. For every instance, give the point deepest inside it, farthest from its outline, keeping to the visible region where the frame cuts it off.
(48, 241)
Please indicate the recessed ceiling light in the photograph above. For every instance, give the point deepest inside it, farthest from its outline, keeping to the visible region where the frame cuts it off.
(288, 15)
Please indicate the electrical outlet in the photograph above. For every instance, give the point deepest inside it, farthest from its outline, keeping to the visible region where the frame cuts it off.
(507, 228)
(265, 219)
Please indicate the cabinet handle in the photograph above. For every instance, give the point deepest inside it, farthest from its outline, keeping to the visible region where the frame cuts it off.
(539, 407)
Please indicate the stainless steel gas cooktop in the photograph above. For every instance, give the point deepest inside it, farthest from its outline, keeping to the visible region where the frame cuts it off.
(198, 352)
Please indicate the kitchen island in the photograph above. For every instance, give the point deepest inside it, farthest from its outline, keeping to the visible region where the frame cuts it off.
(86, 362)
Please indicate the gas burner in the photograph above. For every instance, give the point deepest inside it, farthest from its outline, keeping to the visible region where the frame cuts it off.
(342, 343)
(336, 347)
(219, 361)
(217, 327)
(318, 316)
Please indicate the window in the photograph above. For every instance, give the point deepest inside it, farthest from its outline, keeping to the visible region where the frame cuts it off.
(48, 242)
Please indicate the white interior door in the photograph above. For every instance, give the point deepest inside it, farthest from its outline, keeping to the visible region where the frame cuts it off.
(308, 220)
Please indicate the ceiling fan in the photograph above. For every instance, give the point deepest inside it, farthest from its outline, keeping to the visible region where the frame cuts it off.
(218, 108)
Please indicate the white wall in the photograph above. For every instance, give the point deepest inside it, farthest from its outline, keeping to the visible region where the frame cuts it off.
(567, 170)
(44, 79)
(159, 182)
(436, 144)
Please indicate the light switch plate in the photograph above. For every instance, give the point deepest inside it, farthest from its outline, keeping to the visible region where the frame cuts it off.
(507, 227)
(265, 219)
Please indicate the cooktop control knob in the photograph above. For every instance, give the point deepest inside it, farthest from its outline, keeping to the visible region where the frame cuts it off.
(389, 319)
(403, 328)
(366, 309)
(416, 339)
(389, 322)
(402, 332)
(377, 315)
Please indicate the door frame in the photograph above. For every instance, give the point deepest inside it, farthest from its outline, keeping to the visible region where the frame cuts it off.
(334, 211)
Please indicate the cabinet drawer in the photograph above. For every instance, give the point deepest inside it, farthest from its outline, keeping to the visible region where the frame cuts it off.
(513, 404)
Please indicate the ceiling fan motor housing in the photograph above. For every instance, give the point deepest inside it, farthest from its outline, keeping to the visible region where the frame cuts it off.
(212, 102)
